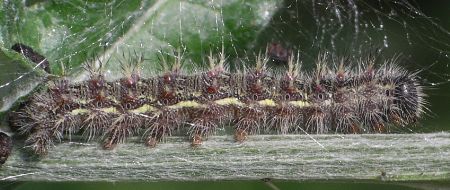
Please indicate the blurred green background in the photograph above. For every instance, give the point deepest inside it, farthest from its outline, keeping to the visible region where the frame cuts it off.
(63, 33)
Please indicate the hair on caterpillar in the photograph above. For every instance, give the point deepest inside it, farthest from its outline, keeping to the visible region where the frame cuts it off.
(339, 96)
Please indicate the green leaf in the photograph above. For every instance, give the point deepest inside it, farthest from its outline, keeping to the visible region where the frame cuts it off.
(74, 32)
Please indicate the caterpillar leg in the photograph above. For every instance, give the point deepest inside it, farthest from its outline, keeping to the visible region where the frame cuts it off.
(156, 133)
(346, 121)
(204, 122)
(122, 127)
(285, 119)
(161, 125)
(248, 123)
(318, 121)
(42, 136)
(373, 118)
(40, 141)
(96, 123)
(201, 128)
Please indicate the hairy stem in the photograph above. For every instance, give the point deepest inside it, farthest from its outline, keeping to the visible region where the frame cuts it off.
(391, 157)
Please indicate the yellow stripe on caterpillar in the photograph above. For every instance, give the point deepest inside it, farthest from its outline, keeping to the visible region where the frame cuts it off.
(267, 102)
(186, 104)
(299, 104)
(79, 111)
(229, 101)
(143, 109)
(109, 110)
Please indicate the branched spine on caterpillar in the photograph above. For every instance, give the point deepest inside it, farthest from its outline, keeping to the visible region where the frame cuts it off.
(341, 99)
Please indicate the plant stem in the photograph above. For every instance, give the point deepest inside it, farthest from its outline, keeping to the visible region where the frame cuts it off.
(391, 157)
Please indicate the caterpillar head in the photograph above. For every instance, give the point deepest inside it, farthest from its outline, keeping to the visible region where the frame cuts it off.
(408, 96)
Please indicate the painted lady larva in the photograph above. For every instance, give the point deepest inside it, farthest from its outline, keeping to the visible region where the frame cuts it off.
(364, 98)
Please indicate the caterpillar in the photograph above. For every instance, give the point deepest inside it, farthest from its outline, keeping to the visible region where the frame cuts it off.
(339, 96)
